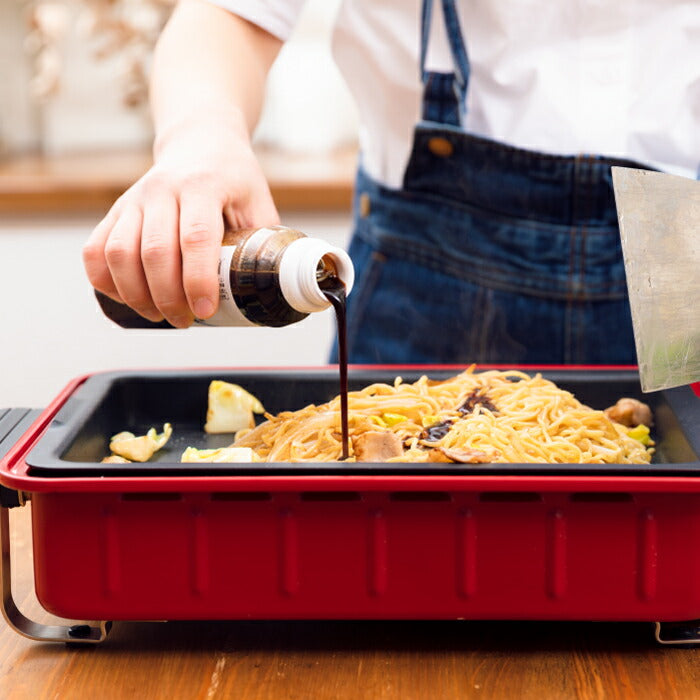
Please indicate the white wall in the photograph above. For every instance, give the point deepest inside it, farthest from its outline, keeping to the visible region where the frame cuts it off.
(19, 121)
(308, 107)
(51, 329)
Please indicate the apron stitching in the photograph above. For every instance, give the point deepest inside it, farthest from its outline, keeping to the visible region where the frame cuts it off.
(377, 260)
(587, 206)
(397, 248)
(571, 292)
(454, 100)
(431, 189)
(483, 339)
(485, 142)
(410, 194)
(458, 49)
(582, 298)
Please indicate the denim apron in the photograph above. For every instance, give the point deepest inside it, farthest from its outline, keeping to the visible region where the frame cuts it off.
(488, 253)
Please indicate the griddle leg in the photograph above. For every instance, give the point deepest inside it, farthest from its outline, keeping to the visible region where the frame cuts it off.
(678, 633)
(73, 634)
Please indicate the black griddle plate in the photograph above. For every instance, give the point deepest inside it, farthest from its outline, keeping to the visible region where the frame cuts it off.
(107, 403)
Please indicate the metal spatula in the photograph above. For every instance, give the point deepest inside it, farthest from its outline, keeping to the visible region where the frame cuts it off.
(659, 218)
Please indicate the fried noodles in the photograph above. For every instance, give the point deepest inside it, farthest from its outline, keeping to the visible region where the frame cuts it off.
(508, 415)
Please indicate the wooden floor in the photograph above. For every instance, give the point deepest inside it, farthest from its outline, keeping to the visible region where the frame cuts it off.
(324, 660)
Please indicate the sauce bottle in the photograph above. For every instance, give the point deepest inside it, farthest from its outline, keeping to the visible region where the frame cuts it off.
(267, 277)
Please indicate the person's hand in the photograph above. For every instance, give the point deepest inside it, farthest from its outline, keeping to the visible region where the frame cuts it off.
(158, 247)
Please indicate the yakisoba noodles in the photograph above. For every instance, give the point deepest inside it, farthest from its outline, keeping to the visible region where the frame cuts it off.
(504, 416)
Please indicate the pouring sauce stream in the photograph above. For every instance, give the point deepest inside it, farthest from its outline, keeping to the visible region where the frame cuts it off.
(333, 289)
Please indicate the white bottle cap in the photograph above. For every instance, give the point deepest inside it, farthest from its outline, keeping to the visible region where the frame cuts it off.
(297, 273)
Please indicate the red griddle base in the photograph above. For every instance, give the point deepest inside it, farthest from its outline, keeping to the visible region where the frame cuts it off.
(537, 547)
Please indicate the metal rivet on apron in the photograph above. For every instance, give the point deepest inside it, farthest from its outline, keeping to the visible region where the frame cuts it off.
(440, 146)
(364, 205)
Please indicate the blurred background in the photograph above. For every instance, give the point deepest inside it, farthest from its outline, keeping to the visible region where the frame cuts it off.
(75, 133)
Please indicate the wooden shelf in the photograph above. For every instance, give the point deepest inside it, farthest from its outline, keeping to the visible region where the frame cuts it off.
(80, 183)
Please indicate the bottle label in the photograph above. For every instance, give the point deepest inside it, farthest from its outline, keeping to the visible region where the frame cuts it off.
(228, 314)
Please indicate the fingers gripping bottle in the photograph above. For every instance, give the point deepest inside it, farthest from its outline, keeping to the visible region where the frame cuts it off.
(270, 276)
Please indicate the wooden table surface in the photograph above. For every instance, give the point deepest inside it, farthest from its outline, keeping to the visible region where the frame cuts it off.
(329, 660)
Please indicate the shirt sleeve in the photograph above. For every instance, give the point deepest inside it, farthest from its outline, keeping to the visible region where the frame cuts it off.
(275, 16)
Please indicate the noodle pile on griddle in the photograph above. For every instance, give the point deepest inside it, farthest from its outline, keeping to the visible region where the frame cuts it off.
(505, 416)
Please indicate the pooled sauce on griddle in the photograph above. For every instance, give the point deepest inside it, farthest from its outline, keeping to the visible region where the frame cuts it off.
(333, 289)
(437, 431)
(476, 398)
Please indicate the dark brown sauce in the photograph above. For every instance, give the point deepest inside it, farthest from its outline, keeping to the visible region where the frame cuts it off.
(334, 290)
(476, 398)
(437, 431)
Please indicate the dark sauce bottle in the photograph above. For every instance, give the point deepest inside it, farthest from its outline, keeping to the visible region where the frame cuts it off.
(267, 277)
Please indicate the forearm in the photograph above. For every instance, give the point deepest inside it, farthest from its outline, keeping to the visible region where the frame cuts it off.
(209, 65)
(158, 248)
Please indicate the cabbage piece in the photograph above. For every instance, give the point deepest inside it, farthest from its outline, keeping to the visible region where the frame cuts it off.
(141, 448)
(223, 454)
(640, 432)
(392, 419)
(230, 408)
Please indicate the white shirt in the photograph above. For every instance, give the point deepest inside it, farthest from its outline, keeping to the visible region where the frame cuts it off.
(619, 78)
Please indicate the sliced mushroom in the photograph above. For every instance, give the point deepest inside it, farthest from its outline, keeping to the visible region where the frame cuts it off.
(465, 455)
(630, 412)
(376, 446)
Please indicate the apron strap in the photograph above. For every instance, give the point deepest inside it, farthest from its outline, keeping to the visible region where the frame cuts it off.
(444, 94)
